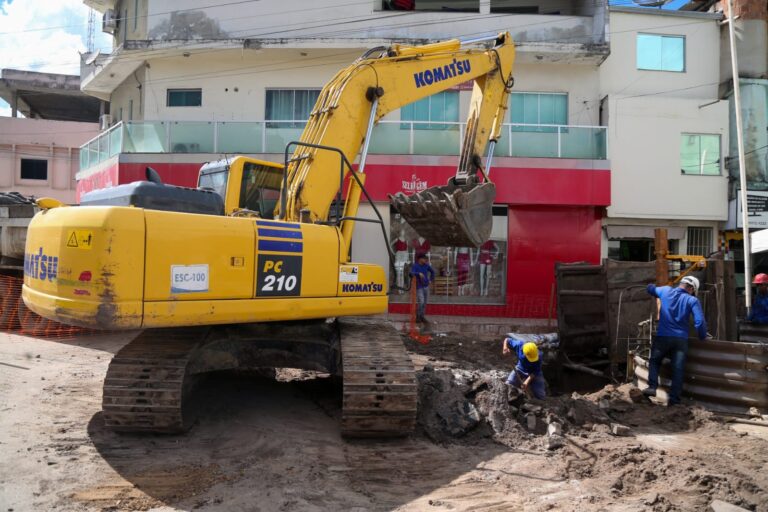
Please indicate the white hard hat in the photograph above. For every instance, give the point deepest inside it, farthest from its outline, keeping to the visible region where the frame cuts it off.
(692, 282)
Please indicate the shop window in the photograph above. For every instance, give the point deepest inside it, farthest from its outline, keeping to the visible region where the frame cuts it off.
(536, 108)
(290, 108)
(660, 53)
(430, 113)
(700, 154)
(184, 98)
(34, 169)
(699, 241)
(463, 275)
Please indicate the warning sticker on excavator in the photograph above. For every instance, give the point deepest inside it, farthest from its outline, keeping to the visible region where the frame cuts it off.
(348, 274)
(80, 239)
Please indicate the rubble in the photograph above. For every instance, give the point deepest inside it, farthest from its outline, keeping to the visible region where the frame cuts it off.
(619, 430)
(454, 403)
(554, 429)
(722, 506)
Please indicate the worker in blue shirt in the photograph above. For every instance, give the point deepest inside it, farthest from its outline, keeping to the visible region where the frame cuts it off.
(677, 306)
(759, 313)
(527, 374)
(424, 274)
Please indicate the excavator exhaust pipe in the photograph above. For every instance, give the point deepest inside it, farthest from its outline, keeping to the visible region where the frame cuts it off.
(450, 216)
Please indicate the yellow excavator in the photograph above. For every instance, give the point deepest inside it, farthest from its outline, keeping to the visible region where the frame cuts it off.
(252, 268)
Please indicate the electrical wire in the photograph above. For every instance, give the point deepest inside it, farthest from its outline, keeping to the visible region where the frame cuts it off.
(592, 3)
(331, 30)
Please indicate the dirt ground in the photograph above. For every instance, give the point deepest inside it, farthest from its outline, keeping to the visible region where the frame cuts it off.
(272, 445)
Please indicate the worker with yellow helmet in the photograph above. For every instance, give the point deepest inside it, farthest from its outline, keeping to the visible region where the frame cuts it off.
(527, 373)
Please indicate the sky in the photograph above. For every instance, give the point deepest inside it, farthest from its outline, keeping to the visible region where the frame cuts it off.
(46, 36)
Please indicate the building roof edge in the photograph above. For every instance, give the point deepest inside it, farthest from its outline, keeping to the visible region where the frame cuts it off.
(668, 12)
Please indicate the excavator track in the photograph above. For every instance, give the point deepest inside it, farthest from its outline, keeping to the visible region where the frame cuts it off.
(379, 381)
(148, 380)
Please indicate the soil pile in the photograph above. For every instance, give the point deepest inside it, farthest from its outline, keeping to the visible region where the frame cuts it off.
(618, 443)
(456, 403)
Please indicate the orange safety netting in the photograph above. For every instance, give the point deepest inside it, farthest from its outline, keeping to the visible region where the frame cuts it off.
(413, 331)
(16, 317)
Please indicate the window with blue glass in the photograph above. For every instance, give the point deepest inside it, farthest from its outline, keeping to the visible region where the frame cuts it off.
(433, 112)
(660, 53)
(290, 108)
(185, 98)
(536, 110)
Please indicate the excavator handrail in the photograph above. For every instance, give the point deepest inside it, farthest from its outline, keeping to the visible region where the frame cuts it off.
(339, 218)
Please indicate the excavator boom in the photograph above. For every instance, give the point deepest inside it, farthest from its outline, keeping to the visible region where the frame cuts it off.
(380, 82)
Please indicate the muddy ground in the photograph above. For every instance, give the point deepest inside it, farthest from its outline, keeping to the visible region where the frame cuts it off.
(265, 444)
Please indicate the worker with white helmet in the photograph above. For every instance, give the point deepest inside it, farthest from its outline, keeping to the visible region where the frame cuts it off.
(677, 306)
(528, 373)
(759, 312)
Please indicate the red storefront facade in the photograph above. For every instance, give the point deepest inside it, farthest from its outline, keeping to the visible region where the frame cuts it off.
(554, 209)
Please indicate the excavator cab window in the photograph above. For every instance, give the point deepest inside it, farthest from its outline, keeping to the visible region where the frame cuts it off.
(260, 190)
(216, 181)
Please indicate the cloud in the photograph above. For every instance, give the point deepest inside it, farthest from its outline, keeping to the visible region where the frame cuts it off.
(40, 35)
(45, 36)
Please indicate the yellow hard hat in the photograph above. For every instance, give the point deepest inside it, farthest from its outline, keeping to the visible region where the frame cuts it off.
(531, 352)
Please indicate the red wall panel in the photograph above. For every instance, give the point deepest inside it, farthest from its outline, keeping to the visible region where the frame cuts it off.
(514, 185)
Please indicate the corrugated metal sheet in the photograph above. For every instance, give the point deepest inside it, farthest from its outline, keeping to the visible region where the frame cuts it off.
(723, 376)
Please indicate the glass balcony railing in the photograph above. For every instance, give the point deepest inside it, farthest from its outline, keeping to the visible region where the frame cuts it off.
(389, 138)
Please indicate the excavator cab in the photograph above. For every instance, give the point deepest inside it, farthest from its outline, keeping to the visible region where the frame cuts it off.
(249, 187)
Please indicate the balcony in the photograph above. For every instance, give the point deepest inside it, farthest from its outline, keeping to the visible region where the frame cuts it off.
(389, 138)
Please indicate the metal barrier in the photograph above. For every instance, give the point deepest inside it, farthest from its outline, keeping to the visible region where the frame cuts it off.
(722, 376)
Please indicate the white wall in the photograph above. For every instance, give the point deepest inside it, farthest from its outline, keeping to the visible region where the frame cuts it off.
(131, 90)
(619, 73)
(333, 20)
(233, 81)
(644, 150)
(647, 112)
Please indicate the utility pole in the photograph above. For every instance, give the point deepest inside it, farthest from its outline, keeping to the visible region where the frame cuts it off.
(742, 163)
(90, 43)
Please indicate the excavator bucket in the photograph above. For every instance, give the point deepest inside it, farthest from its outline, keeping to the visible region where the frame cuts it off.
(451, 215)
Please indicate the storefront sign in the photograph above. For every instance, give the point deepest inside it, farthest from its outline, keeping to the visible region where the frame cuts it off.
(757, 210)
(415, 184)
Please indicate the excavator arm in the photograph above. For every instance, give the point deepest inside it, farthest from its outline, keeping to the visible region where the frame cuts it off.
(384, 80)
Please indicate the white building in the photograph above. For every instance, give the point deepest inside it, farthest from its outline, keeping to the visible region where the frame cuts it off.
(667, 132)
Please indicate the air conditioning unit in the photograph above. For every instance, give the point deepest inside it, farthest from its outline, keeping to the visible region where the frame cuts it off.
(109, 22)
(105, 121)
